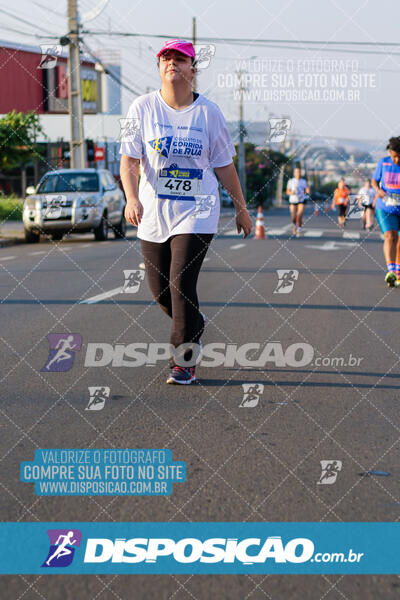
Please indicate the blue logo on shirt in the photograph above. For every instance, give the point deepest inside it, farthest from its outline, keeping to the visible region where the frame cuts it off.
(161, 145)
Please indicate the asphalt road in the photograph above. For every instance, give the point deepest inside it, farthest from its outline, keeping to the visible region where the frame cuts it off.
(244, 463)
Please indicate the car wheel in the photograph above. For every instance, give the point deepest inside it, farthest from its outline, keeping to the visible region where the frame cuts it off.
(57, 235)
(31, 237)
(101, 231)
(120, 229)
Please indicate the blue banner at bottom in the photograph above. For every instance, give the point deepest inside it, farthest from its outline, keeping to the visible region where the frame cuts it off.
(199, 548)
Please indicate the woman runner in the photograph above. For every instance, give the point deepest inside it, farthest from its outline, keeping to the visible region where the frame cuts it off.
(297, 189)
(341, 200)
(366, 198)
(180, 139)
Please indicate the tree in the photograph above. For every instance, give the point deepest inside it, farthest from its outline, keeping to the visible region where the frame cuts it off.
(18, 133)
(262, 170)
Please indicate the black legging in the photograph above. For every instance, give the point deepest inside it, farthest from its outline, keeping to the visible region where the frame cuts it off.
(172, 269)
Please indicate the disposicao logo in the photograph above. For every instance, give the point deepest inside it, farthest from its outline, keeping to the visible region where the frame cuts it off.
(161, 145)
(62, 547)
(62, 351)
(191, 550)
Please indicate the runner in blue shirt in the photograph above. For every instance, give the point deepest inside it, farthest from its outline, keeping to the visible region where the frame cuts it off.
(386, 183)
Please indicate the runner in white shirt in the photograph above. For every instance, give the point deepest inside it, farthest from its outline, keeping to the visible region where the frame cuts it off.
(297, 189)
(180, 139)
(366, 198)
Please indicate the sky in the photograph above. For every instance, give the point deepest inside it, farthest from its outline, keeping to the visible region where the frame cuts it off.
(322, 90)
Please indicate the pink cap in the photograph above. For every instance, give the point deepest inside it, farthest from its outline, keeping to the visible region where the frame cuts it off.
(180, 46)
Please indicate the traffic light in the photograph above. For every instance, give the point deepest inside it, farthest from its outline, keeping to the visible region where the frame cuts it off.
(89, 150)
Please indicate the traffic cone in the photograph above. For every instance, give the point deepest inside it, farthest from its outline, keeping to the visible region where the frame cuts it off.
(316, 209)
(260, 229)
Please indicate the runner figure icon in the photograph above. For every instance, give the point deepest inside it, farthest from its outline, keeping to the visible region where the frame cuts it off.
(62, 549)
(133, 280)
(287, 279)
(63, 545)
(330, 470)
(278, 129)
(204, 206)
(204, 55)
(63, 345)
(49, 56)
(98, 397)
(251, 394)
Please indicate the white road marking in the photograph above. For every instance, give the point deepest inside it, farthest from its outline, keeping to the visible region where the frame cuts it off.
(7, 257)
(38, 252)
(237, 246)
(280, 230)
(230, 232)
(275, 232)
(84, 245)
(314, 233)
(103, 296)
(351, 235)
(334, 245)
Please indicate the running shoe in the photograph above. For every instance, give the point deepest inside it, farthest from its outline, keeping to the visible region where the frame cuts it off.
(391, 279)
(298, 234)
(182, 375)
(294, 229)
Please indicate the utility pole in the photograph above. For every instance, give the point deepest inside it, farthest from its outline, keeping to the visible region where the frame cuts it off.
(241, 157)
(279, 186)
(194, 44)
(77, 140)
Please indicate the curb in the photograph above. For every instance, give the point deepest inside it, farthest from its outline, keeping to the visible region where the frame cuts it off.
(5, 242)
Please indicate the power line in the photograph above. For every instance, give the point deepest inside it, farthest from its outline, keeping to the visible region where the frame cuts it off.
(22, 20)
(280, 44)
(110, 73)
(137, 66)
(47, 9)
(345, 50)
(5, 28)
(245, 40)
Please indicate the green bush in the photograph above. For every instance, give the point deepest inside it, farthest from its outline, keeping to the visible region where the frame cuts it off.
(10, 208)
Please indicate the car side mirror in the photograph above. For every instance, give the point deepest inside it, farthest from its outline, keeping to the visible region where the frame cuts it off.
(30, 190)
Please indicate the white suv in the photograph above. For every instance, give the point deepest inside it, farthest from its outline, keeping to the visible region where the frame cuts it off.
(74, 201)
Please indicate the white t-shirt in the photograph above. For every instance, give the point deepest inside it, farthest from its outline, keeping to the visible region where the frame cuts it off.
(178, 150)
(297, 189)
(367, 196)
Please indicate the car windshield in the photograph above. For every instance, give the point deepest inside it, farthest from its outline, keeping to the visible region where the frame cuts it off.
(69, 182)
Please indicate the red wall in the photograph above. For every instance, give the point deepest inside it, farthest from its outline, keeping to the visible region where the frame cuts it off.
(20, 81)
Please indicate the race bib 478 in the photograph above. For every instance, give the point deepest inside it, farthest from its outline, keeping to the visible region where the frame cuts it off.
(179, 184)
